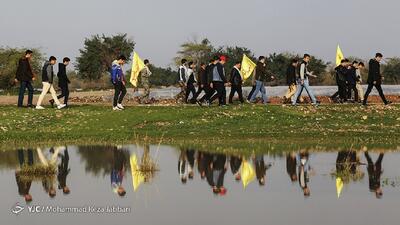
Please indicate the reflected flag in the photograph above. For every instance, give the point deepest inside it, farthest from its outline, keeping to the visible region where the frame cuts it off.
(339, 55)
(137, 66)
(339, 186)
(137, 176)
(247, 67)
(247, 173)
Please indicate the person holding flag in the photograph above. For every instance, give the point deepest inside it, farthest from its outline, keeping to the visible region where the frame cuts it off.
(119, 82)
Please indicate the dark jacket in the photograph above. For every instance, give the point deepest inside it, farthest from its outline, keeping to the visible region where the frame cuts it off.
(374, 73)
(24, 70)
(291, 75)
(341, 74)
(235, 78)
(202, 76)
(262, 74)
(352, 75)
(47, 72)
(62, 75)
(220, 70)
(209, 70)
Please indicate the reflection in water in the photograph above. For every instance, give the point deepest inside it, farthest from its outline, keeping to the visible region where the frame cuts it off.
(374, 174)
(211, 168)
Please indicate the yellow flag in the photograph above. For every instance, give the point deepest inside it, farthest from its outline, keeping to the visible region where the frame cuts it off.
(137, 66)
(247, 173)
(339, 186)
(248, 67)
(339, 56)
(137, 176)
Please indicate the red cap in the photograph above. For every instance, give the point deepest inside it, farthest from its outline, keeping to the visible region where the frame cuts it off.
(222, 58)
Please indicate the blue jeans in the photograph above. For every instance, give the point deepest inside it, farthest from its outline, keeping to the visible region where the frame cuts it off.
(259, 88)
(25, 85)
(300, 88)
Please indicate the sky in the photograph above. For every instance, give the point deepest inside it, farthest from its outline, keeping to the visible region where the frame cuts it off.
(361, 27)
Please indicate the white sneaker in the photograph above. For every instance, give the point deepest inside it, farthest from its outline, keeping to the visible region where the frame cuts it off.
(120, 106)
(116, 109)
(39, 107)
(61, 106)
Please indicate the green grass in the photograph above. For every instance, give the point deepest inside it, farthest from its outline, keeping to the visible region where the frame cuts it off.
(234, 128)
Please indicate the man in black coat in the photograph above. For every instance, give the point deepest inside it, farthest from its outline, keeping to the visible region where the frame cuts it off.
(236, 82)
(341, 79)
(63, 80)
(375, 79)
(25, 76)
(291, 74)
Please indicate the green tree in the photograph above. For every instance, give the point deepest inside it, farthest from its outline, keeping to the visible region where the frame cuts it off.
(9, 58)
(99, 52)
(391, 70)
(195, 51)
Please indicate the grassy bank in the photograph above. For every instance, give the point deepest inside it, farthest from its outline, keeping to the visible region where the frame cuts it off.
(234, 128)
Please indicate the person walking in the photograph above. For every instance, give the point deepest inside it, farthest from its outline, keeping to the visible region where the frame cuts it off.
(25, 76)
(259, 78)
(191, 80)
(291, 74)
(182, 79)
(119, 82)
(145, 74)
(63, 81)
(359, 87)
(303, 81)
(375, 79)
(47, 81)
(202, 84)
(236, 82)
(219, 81)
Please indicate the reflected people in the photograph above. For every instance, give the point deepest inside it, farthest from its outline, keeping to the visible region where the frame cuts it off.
(215, 173)
(291, 166)
(374, 174)
(303, 159)
(118, 170)
(25, 159)
(235, 163)
(63, 171)
(261, 169)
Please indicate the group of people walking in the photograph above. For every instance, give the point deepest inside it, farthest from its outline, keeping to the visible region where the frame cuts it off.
(211, 81)
(25, 76)
(349, 80)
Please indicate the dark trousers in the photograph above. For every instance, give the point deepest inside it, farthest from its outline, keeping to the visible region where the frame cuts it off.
(199, 90)
(352, 87)
(64, 93)
(219, 87)
(25, 85)
(378, 88)
(120, 92)
(234, 89)
(209, 93)
(342, 91)
(251, 92)
(21, 157)
(190, 89)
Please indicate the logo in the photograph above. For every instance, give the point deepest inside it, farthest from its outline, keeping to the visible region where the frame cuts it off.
(17, 209)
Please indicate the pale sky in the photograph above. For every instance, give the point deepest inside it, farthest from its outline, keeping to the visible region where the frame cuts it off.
(361, 27)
